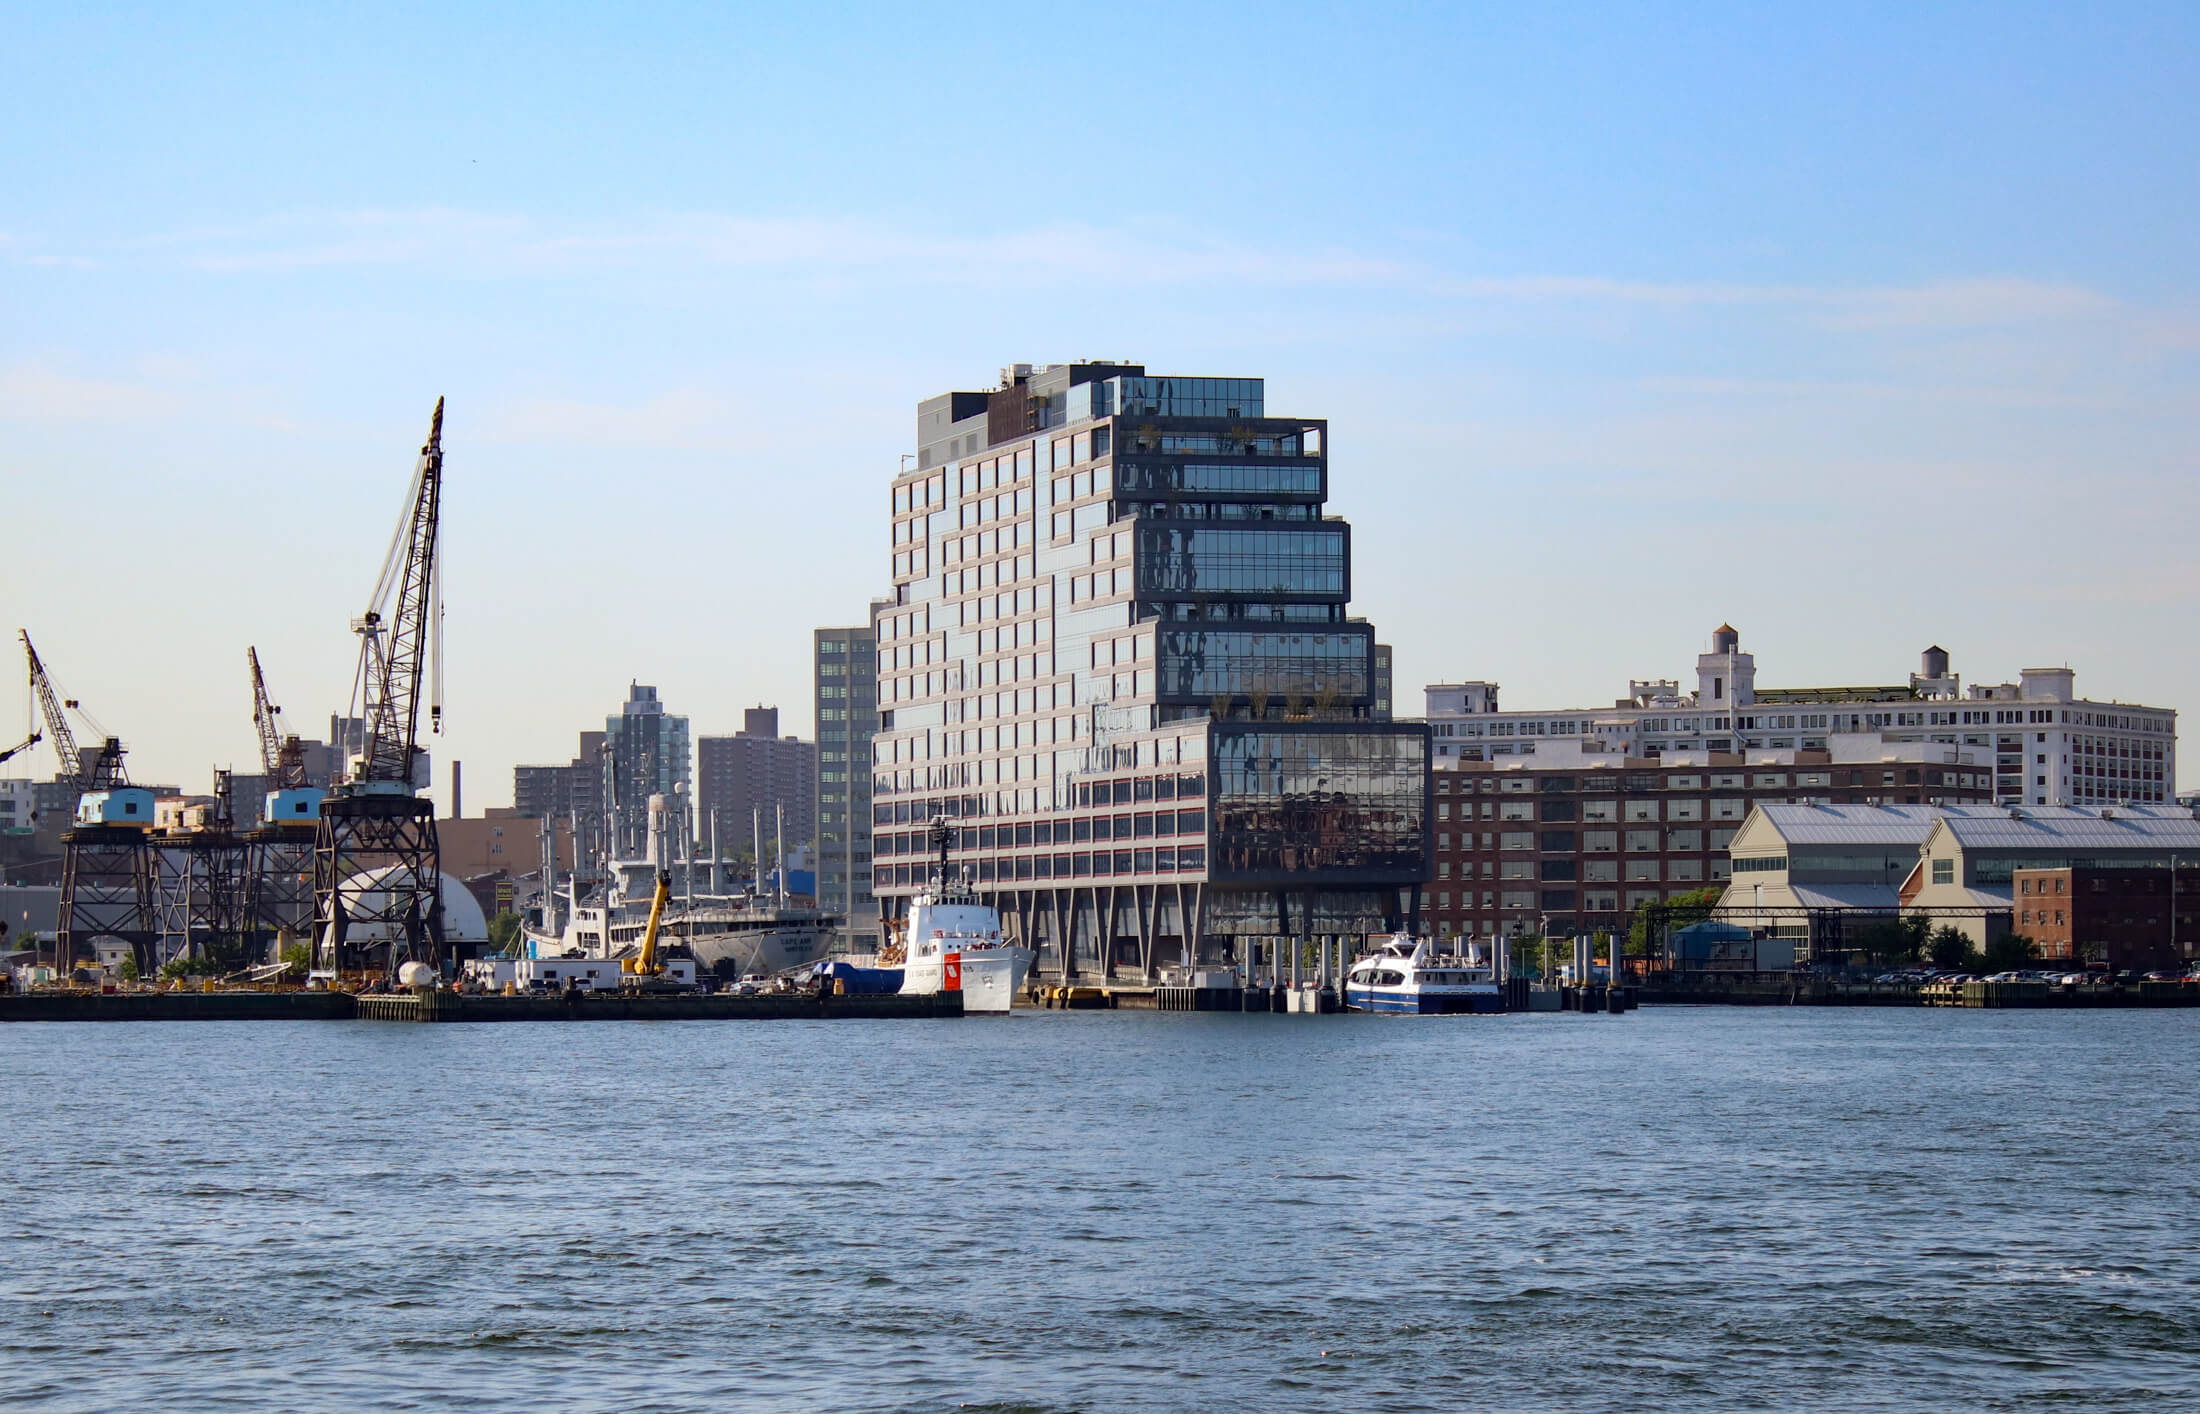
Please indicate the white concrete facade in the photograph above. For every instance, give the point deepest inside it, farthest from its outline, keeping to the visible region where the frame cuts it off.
(2044, 744)
(18, 804)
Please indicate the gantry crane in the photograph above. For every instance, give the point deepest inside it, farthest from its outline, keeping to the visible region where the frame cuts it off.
(104, 771)
(108, 874)
(375, 860)
(281, 844)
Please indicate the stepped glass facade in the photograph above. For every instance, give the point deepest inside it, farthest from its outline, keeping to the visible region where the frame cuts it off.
(1117, 658)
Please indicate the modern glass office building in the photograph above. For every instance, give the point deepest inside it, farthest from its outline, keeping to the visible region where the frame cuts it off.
(1117, 657)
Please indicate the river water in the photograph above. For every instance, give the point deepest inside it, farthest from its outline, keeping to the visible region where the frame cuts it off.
(1684, 1209)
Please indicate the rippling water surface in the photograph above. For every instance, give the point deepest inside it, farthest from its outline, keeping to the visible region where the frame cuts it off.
(1681, 1209)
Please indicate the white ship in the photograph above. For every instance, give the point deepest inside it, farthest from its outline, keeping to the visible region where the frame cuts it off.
(729, 936)
(951, 942)
(1403, 975)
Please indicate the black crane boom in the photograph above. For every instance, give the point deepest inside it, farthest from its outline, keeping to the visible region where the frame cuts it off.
(104, 771)
(395, 666)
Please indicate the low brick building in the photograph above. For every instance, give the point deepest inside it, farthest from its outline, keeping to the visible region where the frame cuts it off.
(1577, 846)
(2140, 918)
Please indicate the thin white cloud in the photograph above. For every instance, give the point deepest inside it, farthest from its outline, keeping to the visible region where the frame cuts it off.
(156, 388)
(487, 245)
(35, 392)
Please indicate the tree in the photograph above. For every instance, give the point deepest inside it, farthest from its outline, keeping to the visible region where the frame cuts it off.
(1949, 949)
(297, 960)
(1895, 942)
(2009, 952)
(503, 931)
(1651, 919)
(129, 968)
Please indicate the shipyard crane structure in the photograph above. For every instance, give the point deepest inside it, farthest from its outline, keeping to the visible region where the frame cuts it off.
(280, 845)
(109, 877)
(104, 770)
(282, 757)
(377, 876)
(205, 885)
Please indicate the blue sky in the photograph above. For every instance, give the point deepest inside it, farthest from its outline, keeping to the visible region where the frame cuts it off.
(1864, 328)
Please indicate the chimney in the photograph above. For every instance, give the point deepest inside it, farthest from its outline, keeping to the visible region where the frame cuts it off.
(458, 798)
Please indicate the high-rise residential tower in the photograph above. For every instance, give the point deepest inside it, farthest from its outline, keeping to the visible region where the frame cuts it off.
(845, 663)
(755, 780)
(1118, 658)
(645, 754)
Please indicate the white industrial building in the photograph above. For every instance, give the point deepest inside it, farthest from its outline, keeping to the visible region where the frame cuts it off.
(2044, 744)
(1809, 873)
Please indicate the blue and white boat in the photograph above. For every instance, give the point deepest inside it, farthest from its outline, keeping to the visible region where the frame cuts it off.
(1404, 975)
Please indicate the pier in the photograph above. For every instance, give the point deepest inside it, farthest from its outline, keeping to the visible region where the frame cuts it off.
(444, 1006)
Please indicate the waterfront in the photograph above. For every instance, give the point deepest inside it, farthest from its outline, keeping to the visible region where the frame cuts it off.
(1691, 1208)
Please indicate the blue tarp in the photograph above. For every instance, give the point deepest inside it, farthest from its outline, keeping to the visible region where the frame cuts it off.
(859, 981)
(799, 881)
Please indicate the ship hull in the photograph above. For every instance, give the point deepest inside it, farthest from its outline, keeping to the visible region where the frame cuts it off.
(989, 978)
(765, 950)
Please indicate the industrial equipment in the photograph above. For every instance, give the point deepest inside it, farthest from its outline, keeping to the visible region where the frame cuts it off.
(375, 861)
(645, 971)
(281, 845)
(282, 757)
(26, 744)
(644, 962)
(109, 876)
(205, 886)
(104, 771)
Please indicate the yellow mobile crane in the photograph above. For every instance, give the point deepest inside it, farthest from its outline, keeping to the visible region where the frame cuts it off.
(643, 972)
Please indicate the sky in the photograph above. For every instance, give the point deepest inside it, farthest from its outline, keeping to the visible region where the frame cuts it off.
(1861, 327)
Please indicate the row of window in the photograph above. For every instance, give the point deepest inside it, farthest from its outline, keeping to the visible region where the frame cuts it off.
(1592, 841)
(1844, 777)
(1086, 795)
(1083, 830)
(1101, 864)
(1595, 871)
(1543, 901)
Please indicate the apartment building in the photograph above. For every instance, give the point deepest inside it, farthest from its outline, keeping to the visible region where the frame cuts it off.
(2050, 746)
(757, 779)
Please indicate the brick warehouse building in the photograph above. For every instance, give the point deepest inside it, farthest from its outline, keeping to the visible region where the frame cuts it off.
(2133, 916)
(1523, 848)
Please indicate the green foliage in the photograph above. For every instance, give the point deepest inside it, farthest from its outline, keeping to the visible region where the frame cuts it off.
(1645, 933)
(1895, 941)
(1949, 950)
(504, 931)
(176, 969)
(129, 969)
(2009, 952)
(297, 961)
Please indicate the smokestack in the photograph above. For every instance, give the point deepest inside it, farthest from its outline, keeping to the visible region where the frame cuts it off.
(458, 796)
